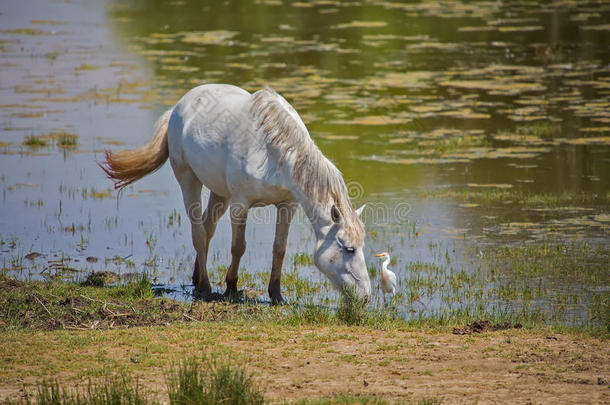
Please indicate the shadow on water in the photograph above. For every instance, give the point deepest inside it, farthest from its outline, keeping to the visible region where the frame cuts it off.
(478, 133)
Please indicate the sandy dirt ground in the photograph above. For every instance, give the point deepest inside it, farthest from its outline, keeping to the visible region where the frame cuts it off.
(511, 366)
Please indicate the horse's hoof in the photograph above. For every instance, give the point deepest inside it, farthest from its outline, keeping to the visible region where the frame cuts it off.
(196, 271)
(277, 299)
(203, 294)
(232, 295)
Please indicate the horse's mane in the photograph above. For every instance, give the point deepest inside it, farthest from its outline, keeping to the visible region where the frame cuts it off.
(317, 177)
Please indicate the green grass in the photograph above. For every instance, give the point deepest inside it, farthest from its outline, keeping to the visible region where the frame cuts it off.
(309, 314)
(208, 380)
(352, 308)
(140, 288)
(505, 287)
(302, 259)
(115, 390)
(212, 380)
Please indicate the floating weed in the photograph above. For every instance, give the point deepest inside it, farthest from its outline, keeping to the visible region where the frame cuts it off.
(25, 31)
(218, 37)
(506, 193)
(100, 279)
(86, 66)
(541, 129)
(66, 140)
(35, 141)
(93, 193)
(61, 138)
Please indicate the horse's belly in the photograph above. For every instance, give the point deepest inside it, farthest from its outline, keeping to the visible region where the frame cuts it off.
(208, 164)
(253, 191)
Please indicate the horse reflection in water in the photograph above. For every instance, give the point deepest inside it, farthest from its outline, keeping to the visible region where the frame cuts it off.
(251, 150)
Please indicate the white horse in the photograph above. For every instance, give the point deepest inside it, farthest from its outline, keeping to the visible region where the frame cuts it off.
(251, 149)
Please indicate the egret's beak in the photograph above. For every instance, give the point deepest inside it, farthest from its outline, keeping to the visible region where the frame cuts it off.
(380, 255)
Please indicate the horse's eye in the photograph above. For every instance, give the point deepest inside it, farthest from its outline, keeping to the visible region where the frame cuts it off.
(348, 249)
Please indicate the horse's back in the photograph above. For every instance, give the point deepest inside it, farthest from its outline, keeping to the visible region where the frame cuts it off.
(213, 133)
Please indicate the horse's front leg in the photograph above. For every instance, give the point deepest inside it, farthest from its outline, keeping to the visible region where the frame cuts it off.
(285, 212)
(239, 216)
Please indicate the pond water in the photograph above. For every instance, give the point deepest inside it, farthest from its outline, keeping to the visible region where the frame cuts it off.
(478, 133)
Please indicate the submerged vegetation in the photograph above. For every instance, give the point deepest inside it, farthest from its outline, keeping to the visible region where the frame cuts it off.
(34, 141)
(61, 138)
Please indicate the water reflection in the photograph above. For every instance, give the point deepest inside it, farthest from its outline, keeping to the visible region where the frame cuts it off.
(491, 120)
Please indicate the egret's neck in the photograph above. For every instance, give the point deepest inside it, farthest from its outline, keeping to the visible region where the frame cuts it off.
(384, 266)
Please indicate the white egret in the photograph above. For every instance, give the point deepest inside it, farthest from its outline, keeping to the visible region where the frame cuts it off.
(388, 278)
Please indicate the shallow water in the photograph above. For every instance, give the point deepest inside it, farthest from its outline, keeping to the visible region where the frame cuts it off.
(470, 128)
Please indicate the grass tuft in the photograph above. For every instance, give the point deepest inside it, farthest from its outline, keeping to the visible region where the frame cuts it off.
(116, 390)
(140, 288)
(352, 308)
(309, 314)
(211, 380)
(302, 259)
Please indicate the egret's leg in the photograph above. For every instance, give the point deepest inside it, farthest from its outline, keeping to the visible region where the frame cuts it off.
(239, 216)
(285, 212)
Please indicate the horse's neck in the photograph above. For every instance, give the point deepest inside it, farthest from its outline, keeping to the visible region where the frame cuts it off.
(317, 213)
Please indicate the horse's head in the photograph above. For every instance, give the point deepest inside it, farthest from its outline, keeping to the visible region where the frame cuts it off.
(339, 252)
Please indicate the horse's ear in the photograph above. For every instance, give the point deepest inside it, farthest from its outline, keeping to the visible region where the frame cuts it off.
(335, 215)
(359, 210)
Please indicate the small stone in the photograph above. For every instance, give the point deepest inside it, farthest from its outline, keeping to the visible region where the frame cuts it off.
(33, 255)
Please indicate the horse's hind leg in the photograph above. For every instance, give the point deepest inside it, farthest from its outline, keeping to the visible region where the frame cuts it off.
(239, 216)
(217, 206)
(191, 193)
(285, 212)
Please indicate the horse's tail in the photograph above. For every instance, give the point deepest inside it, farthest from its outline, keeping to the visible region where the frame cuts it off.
(127, 166)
